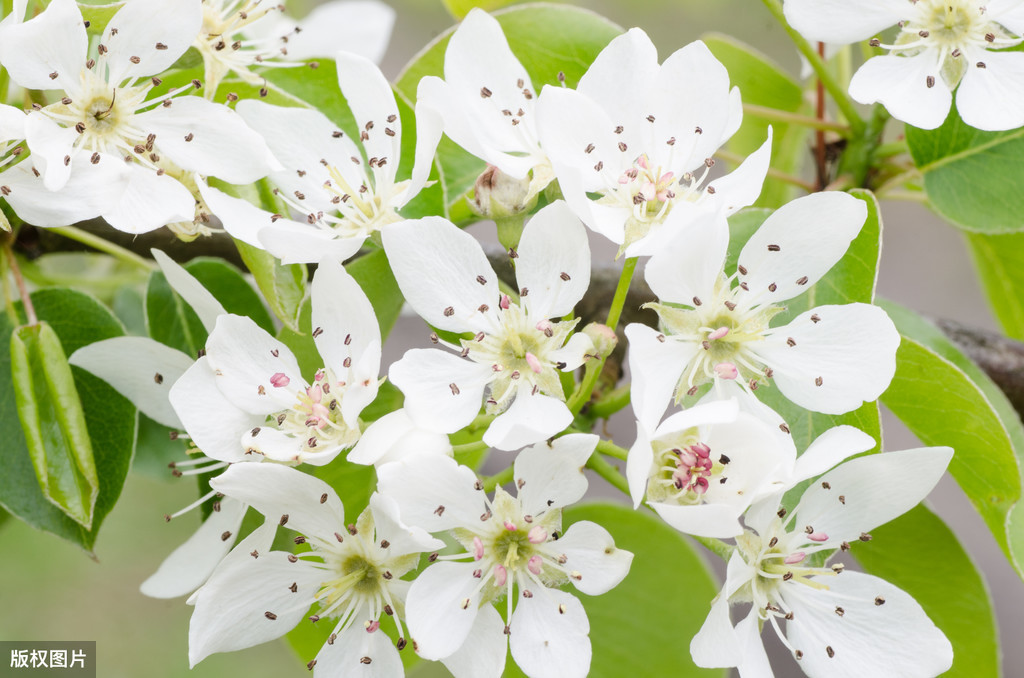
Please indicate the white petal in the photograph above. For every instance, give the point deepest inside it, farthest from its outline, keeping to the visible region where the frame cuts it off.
(231, 608)
(208, 138)
(150, 201)
(53, 42)
(191, 290)
(138, 368)
(530, 418)
(139, 26)
(433, 491)
(893, 639)
(439, 268)
(347, 320)
(549, 637)
(638, 465)
(829, 449)
(622, 77)
(429, 128)
(550, 476)
(191, 564)
(240, 218)
(347, 655)
(576, 351)
(741, 187)
(992, 98)
(656, 367)
(875, 489)
(369, 96)
(840, 21)
(690, 264)
(361, 26)
(591, 552)
(12, 123)
(442, 608)
(284, 447)
(402, 539)
(245, 359)
(755, 660)
(850, 348)
(90, 191)
(426, 377)
(716, 645)
(483, 653)
(277, 491)
(901, 85)
(800, 241)
(1009, 13)
(52, 149)
(213, 422)
(554, 262)
(295, 243)
(720, 521)
(393, 437)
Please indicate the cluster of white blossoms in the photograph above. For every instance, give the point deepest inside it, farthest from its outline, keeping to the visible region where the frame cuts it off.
(439, 561)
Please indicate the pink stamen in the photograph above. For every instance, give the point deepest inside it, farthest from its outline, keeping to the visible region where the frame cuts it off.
(279, 380)
(534, 564)
(500, 575)
(505, 302)
(718, 334)
(648, 191)
(372, 626)
(643, 161)
(315, 393)
(794, 558)
(680, 479)
(537, 535)
(544, 325)
(726, 371)
(478, 548)
(510, 526)
(533, 362)
(701, 450)
(818, 536)
(320, 374)
(688, 458)
(700, 485)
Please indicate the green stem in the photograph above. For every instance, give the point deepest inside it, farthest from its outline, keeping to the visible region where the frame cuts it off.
(510, 229)
(469, 448)
(898, 181)
(498, 479)
(612, 402)
(810, 53)
(906, 196)
(619, 300)
(775, 115)
(716, 546)
(603, 468)
(610, 449)
(891, 149)
(12, 314)
(103, 245)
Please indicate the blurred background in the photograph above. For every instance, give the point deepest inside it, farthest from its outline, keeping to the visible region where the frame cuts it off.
(52, 590)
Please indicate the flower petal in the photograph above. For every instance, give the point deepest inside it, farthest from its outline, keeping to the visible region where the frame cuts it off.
(191, 564)
(656, 363)
(191, 290)
(621, 78)
(839, 21)
(992, 98)
(874, 489)
(362, 26)
(373, 105)
(843, 356)
(832, 447)
(530, 418)
(426, 377)
(741, 187)
(442, 607)
(716, 644)
(433, 491)
(54, 42)
(134, 35)
(901, 85)
(138, 368)
(358, 653)
(591, 554)
(149, 201)
(393, 437)
(550, 475)
(798, 244)
(52, 149)
(548, 635)
(402, 539)
(720, 521)
(895, 638)
(90, 191)
(286, 448)
(347, 322)
(483, 653)
(554, 262)
(638, 465)
(295, 243)
(689, 265)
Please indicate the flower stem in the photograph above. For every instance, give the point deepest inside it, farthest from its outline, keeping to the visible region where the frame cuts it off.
(619, 300)
(838, 93)
(469, 448)
(606, 470)
(716, 546)
(610, 403)
(497, 479)
(610, 449)
(104, 245)
(897, 181)
(775, 115)
(26, 300)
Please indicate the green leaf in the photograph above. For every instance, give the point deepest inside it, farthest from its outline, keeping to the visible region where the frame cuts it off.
(944, 399)
(170, 320)
(763, 83)
(373, 273)
(547, 39)
(231, 289)
(999, 260)
(949, 588)
(98, 15)
(78, 320)
(101, 275)
(460, 8)
(284, 287)
(971, 177)
(53, 422)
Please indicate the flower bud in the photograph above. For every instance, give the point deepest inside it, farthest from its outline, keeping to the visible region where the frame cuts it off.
(497, 195)
(603, 337)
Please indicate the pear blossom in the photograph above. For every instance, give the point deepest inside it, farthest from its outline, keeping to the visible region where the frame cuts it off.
(488, 104)
(511, 351)
(717, 326)
(641, 138)
(342, 198)
(836, 622)
(511, 544)
(238, 35)
(86, 194)
(941, 45)
(166, 140)
(246, 395)
(351, 574)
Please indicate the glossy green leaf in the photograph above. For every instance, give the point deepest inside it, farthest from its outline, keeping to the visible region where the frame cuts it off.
(947, 400)
(53, 422)
(231, 289)
(920, 554)
(972, 178)
(77, 320)
(999, 260)
(98, 15)
(373, 273)
(547, 39)
(284, 287)
(763, 83)
(98, 274)
(460, 8)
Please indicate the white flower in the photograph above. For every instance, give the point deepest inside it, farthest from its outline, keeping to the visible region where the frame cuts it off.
(511, 543)
(86, 194)
(341, 197)
(838, 623)
(511, 352)
(103, 109)
(396, 436)
(236, 36)
(941, 43)
(351, 573)
(829, 359)
(641, 137)
(247, 397)
(487, 102)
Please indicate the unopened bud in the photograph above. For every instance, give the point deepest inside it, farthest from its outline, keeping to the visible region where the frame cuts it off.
(603, 338)
(497, 195)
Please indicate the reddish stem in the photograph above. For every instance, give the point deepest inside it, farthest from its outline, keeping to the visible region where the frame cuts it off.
(819, 149)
